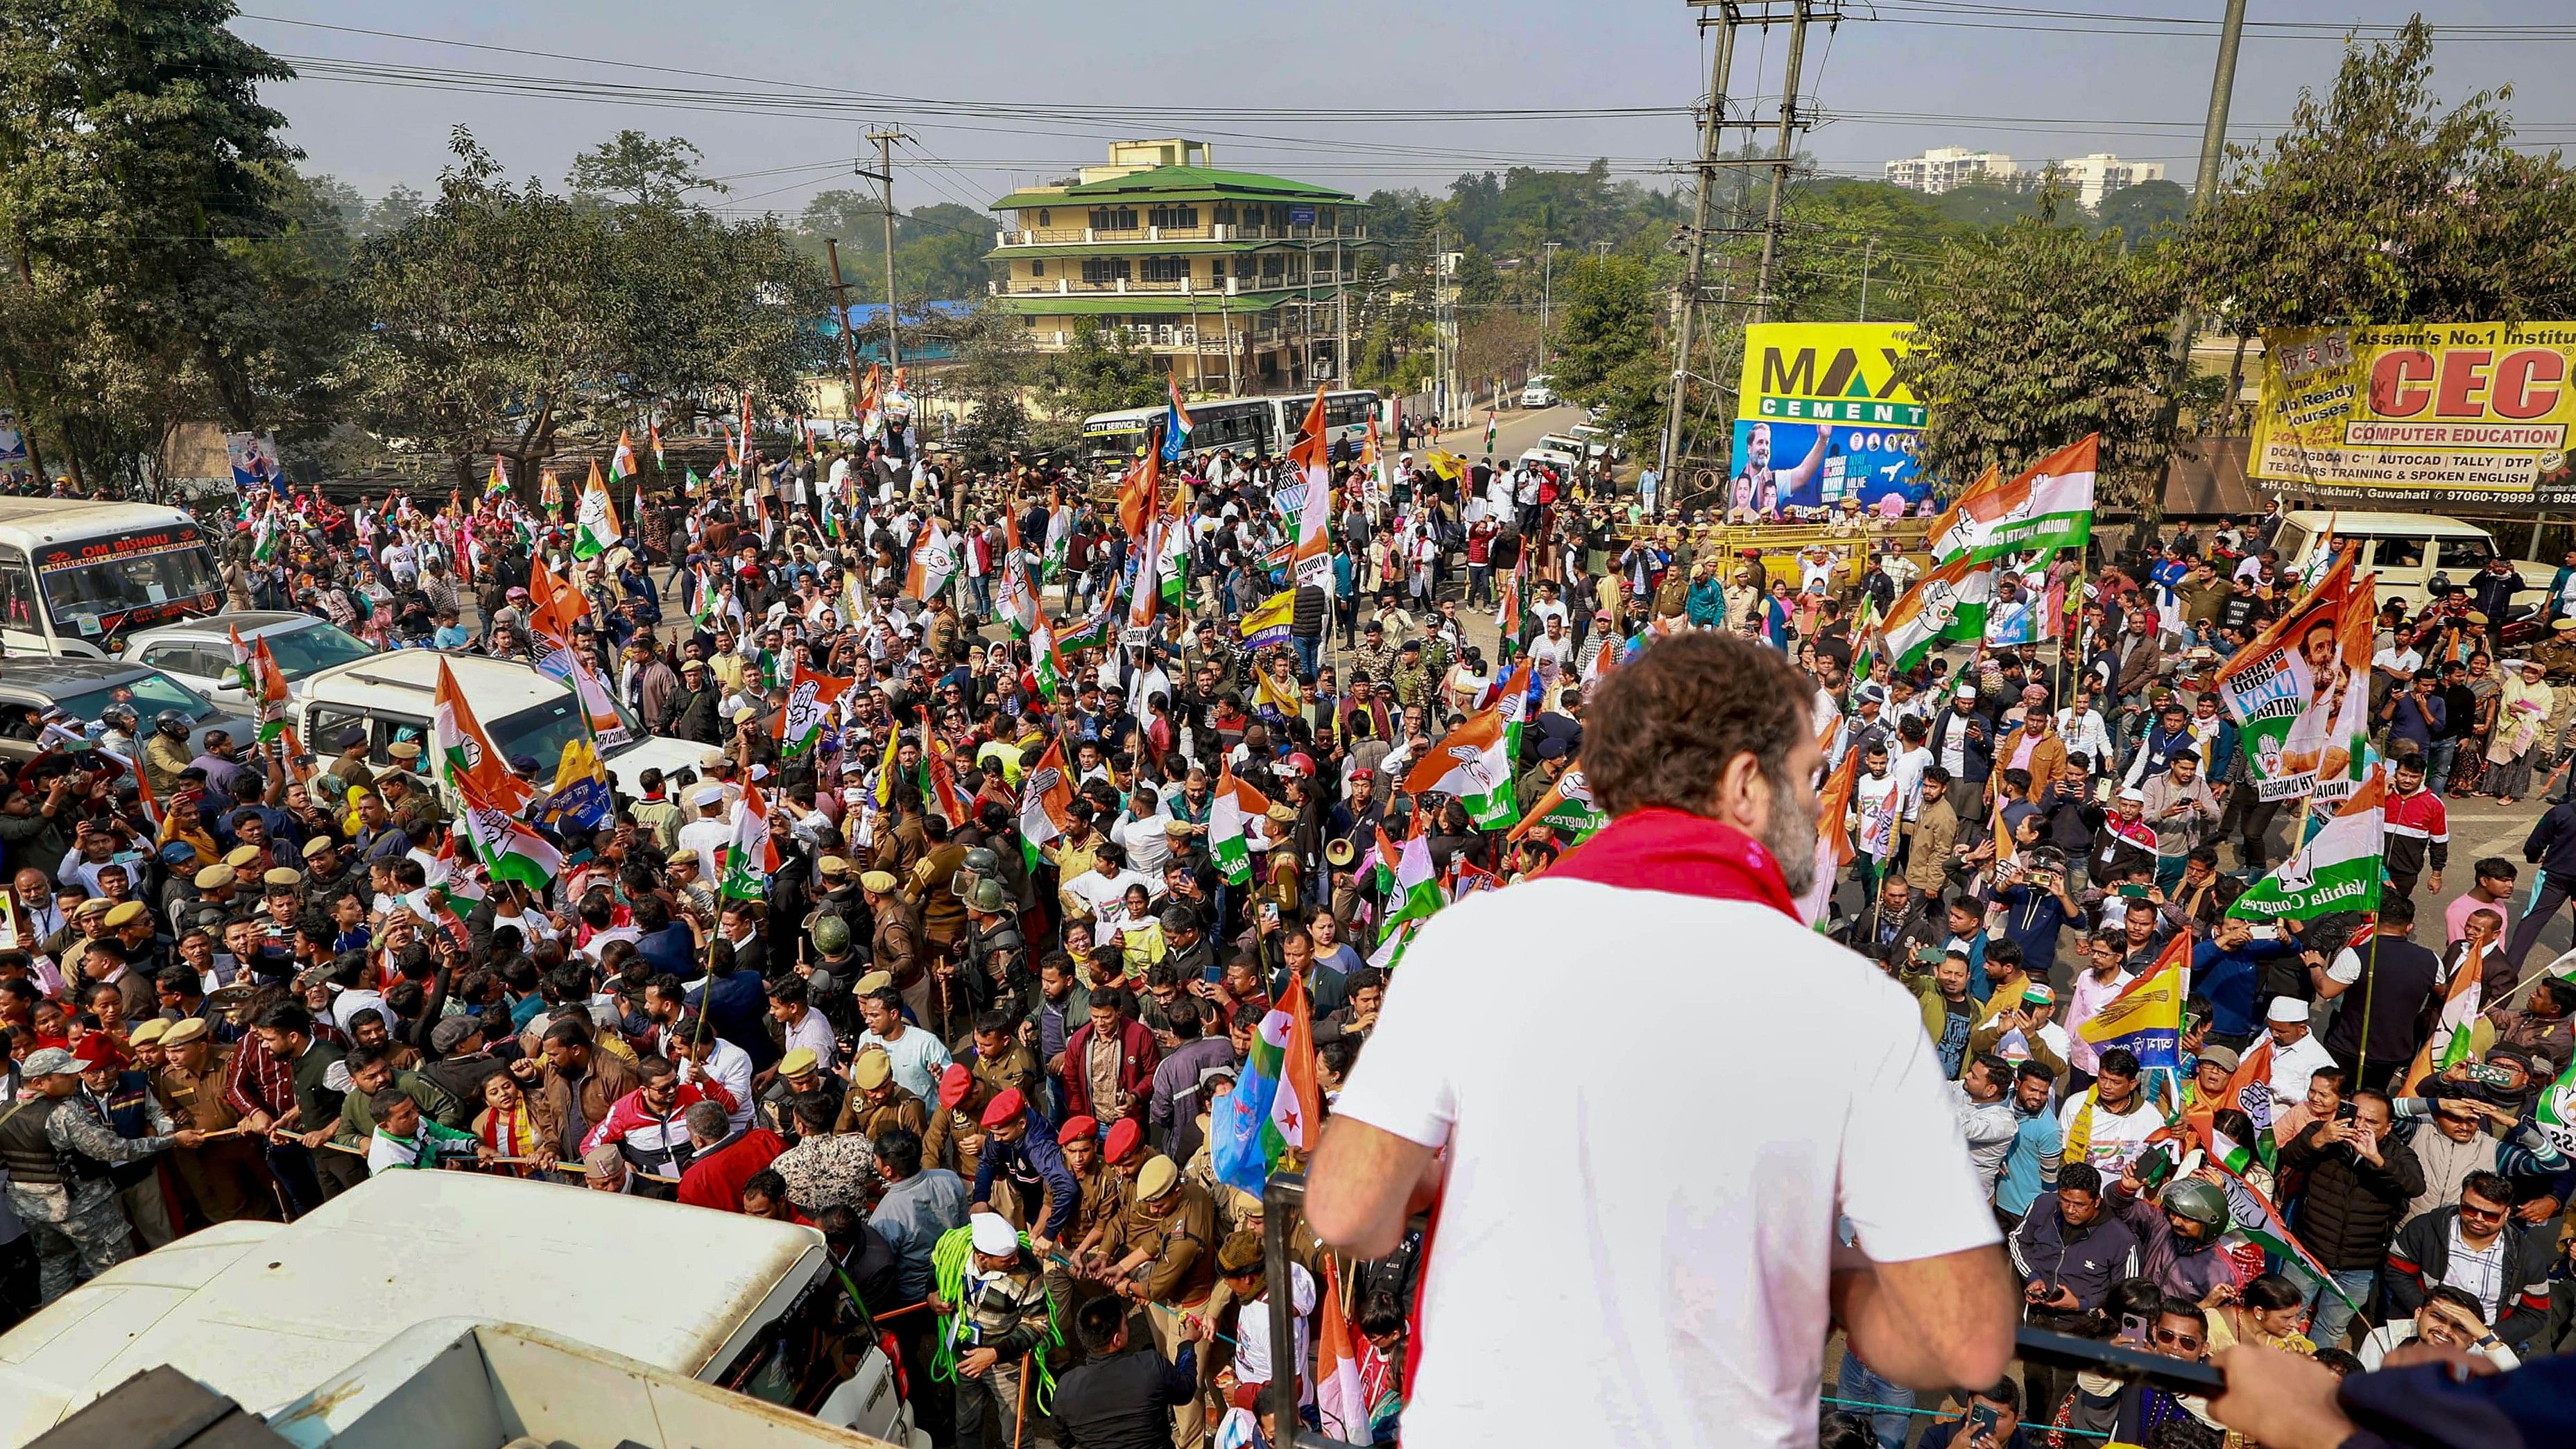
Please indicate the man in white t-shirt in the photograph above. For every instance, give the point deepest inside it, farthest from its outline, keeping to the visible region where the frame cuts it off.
(1682, 1264)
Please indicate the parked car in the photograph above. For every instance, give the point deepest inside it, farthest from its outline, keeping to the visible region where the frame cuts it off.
(199, 652)
(84, 688)
(388, 697)
(2405, 549)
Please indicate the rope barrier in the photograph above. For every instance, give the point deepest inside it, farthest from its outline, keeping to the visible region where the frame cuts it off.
(2032, 1426)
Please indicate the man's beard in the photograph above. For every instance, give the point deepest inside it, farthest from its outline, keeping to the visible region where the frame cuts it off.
(1791, 835)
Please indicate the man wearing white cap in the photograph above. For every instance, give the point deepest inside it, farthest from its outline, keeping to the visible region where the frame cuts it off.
(707, 835)
(57, 1149)
(994, 1317)
(2296, 1053)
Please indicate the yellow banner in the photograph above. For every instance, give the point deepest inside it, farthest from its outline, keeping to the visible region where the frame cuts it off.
(2472, 412)
(1827, 372)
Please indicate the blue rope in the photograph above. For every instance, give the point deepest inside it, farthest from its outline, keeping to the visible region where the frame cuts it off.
(1944, 1413)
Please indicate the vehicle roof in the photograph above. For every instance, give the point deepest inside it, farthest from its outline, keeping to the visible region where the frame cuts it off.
(2315, 520)
(264, 1313)
(65, 674)
(406, 678)
(251, 622)
(50, 518)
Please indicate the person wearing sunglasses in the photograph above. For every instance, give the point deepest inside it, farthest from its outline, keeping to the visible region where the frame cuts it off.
(2475, 1245)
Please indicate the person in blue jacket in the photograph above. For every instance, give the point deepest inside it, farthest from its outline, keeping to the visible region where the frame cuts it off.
(2227, 968)
(1020, 1149)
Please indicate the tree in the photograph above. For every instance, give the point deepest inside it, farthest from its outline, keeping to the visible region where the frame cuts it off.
(1608, 351)
(2147, 212)
(633, 167)
(994, 365)
(138, 172)
(1495, 342)
(1100, 372)
(1986, 204)
(2031, 337)
(2377, 206)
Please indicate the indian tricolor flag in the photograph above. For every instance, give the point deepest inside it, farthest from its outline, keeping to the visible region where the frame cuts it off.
(1018, 600)
(749, 854)
(1410, 889)
(1341, 1398)
(653, 431)
(2339, 869)
(933, 565)
(1567, 805)
(1474, 766)
(245, 678)
(595, 527)
(1312, 557)
(2453, 1031)
(270, 697)
(621, 464)
(1237, 815)
(1834, 848)
(2048, 506)
(1946, 604)
(2265, 1229)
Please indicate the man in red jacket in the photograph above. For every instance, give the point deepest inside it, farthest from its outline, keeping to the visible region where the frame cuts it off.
(717, 1167)
(1109, 1063)
(649, 1124)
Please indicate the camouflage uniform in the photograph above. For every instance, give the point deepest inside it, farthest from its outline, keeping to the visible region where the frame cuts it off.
(58, 1151)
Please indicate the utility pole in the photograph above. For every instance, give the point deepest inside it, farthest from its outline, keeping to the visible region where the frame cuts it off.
(1712, 128)
(884, 176)
(1868, 249)
(1786, 153)
(849, 334)
(1546, 291)
(1341, 313)
(2213, 154)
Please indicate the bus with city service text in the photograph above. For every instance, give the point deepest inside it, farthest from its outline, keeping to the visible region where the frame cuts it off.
(77, 575)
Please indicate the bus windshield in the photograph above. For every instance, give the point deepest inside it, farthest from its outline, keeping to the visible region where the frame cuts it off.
(97, 597)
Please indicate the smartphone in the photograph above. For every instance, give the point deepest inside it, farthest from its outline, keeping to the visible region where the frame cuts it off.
(1981, 1421)
(2133, 1328)
(2269, 931)
(2134, 891)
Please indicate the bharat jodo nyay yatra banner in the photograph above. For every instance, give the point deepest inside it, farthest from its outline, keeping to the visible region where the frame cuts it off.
(2300, 692)
(2463, 413)
(1820, 417)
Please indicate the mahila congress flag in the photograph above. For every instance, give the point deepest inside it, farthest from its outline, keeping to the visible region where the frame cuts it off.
(2047, 506)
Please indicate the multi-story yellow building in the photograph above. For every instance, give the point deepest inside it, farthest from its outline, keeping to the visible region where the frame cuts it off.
(1237, 278)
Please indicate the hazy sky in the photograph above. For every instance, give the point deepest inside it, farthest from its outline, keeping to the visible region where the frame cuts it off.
(775, 92)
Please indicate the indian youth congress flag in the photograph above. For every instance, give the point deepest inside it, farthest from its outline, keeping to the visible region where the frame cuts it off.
(1948, 604)
(466, 755)
(2047, 506)
(1473, 765)
(595, 529)
(1313, 552)
(2147, 1016)
(2339, 869)
(811, 700)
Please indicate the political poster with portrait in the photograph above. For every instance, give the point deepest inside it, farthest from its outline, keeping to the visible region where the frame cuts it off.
(1820, 418)
(2286, 689)
(254, 460)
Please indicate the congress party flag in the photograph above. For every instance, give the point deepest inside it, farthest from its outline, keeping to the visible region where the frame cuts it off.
(1046, 800)
(2146, 1017)
(1472, 766)
(1237, 815)
(2047, 506)
(812, 699)
(595, 528)
(2266, 1229)
(933, 565)
(1176, 423)
(1341, 1397)
(466, 755)
(1567, 806)
(2248, 1090)
(749, 854)
(1017, 600)
(2340, 868)
(508, 849)
(621, 464)
(1949, 603)
(2453, 1031)
(245, 677)
(553, 605)
(1312, 556)
(1045, 662)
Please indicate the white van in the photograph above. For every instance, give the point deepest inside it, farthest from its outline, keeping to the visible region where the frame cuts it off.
(388, 696)
(76, 576)
(2405, 549)
(266, 1313)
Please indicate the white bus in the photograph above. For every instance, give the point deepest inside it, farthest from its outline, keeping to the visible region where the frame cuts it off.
(1248, 427)
(75, 575)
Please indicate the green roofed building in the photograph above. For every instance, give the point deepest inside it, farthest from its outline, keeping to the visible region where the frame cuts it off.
(1230, 275)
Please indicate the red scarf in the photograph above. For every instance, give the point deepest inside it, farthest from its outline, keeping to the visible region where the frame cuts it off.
(1663, 849)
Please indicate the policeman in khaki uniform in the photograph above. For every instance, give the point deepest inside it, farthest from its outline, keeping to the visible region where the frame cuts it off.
(895, 944)
(225, 1177)
(876, 1104)
(1170, 1264)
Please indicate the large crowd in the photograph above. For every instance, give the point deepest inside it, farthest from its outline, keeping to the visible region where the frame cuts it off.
(1124, 780)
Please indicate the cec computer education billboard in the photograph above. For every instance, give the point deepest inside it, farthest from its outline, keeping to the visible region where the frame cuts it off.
(1820, 417)
(2470, 413)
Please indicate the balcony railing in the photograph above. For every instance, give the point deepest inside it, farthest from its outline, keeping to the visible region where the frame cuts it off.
(1124, 286)
(1212, 231)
